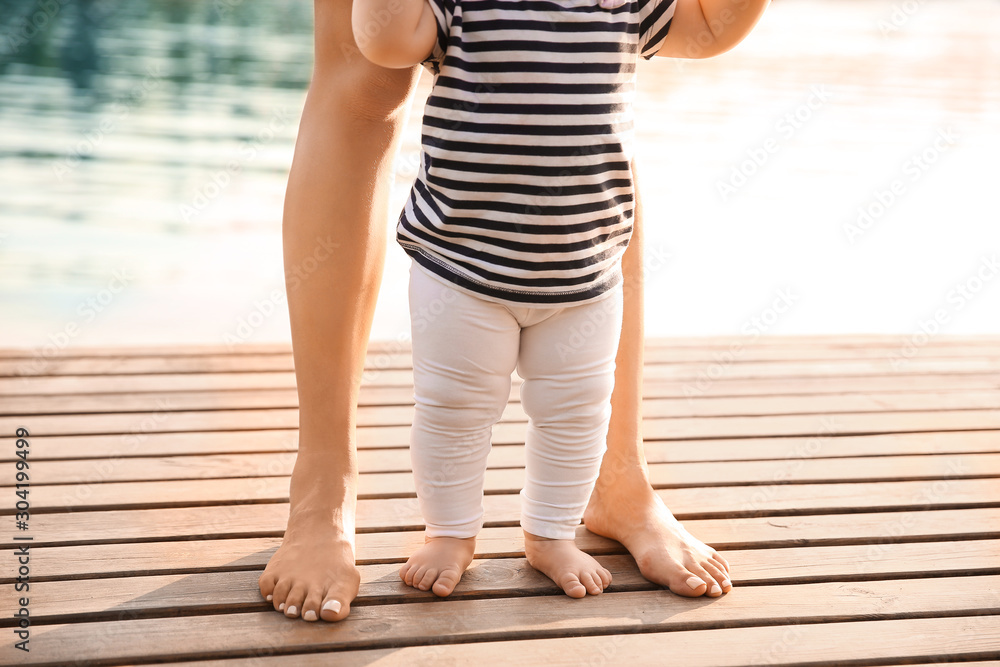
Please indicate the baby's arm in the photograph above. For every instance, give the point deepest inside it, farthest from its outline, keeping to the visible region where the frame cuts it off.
(706, 28)
(394, 33)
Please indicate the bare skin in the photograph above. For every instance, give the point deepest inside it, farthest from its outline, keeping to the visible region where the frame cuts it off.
(623, 505)
(354, 110)
(439, 564)
(572, 570)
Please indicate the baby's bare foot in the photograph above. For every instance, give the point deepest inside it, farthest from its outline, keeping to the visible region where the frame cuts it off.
(574, 571)
(439, 564)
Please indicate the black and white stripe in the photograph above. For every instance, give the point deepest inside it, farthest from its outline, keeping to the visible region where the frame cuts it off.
(525, 192)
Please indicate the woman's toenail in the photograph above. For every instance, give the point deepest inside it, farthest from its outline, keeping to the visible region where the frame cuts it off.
(290, 611)
(281, 607)
(332, 605)
(310, 615)
(269, 597)
(716, 589)
(726, 583)
(694, 582)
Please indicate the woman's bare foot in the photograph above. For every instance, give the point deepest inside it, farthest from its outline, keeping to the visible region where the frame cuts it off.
(572, 570)
(627, 509)
(313, 573)
(439, 564)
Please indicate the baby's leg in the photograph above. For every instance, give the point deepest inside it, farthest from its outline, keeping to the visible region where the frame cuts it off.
(568, 363)
(464, 350)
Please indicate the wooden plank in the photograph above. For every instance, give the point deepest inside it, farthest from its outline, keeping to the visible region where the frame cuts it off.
(788, 565)
(152, 365)
(653, 386)
(792, 425)
(44, 410)
(807, 341)
(72, 601)
(903, 641)
(382, 459)
(25, 384)
(184, 594)
(388, 626)
(653, 428)
(181, 361)
(387, 513)
(188, 349)
(501, 480)
(150, 383)
(269, 520)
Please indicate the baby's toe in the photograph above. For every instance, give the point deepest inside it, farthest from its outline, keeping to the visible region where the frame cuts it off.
(591, 582)
(446, 582)
(572, 586)
(427, 579)
(417, 575)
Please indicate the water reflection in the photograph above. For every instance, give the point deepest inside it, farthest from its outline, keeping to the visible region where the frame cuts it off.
(153, 94)
(202, 41)
(153, 137)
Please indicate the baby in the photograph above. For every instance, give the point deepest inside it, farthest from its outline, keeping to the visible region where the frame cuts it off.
(516, 226)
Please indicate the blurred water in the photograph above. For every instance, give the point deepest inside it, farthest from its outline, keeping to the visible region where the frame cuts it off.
(144, 148)
(149, 140)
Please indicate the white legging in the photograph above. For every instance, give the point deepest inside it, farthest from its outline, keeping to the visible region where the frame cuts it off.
(464, 351)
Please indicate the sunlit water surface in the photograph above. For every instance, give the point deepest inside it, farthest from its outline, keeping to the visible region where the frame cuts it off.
(144, 148)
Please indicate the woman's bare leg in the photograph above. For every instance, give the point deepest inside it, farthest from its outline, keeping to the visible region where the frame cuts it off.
(334, 247)
(624, 506)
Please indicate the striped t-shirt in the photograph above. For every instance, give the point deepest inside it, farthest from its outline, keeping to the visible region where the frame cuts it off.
(525, 192)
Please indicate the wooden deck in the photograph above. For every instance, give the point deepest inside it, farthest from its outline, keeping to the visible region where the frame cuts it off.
(858, 503)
